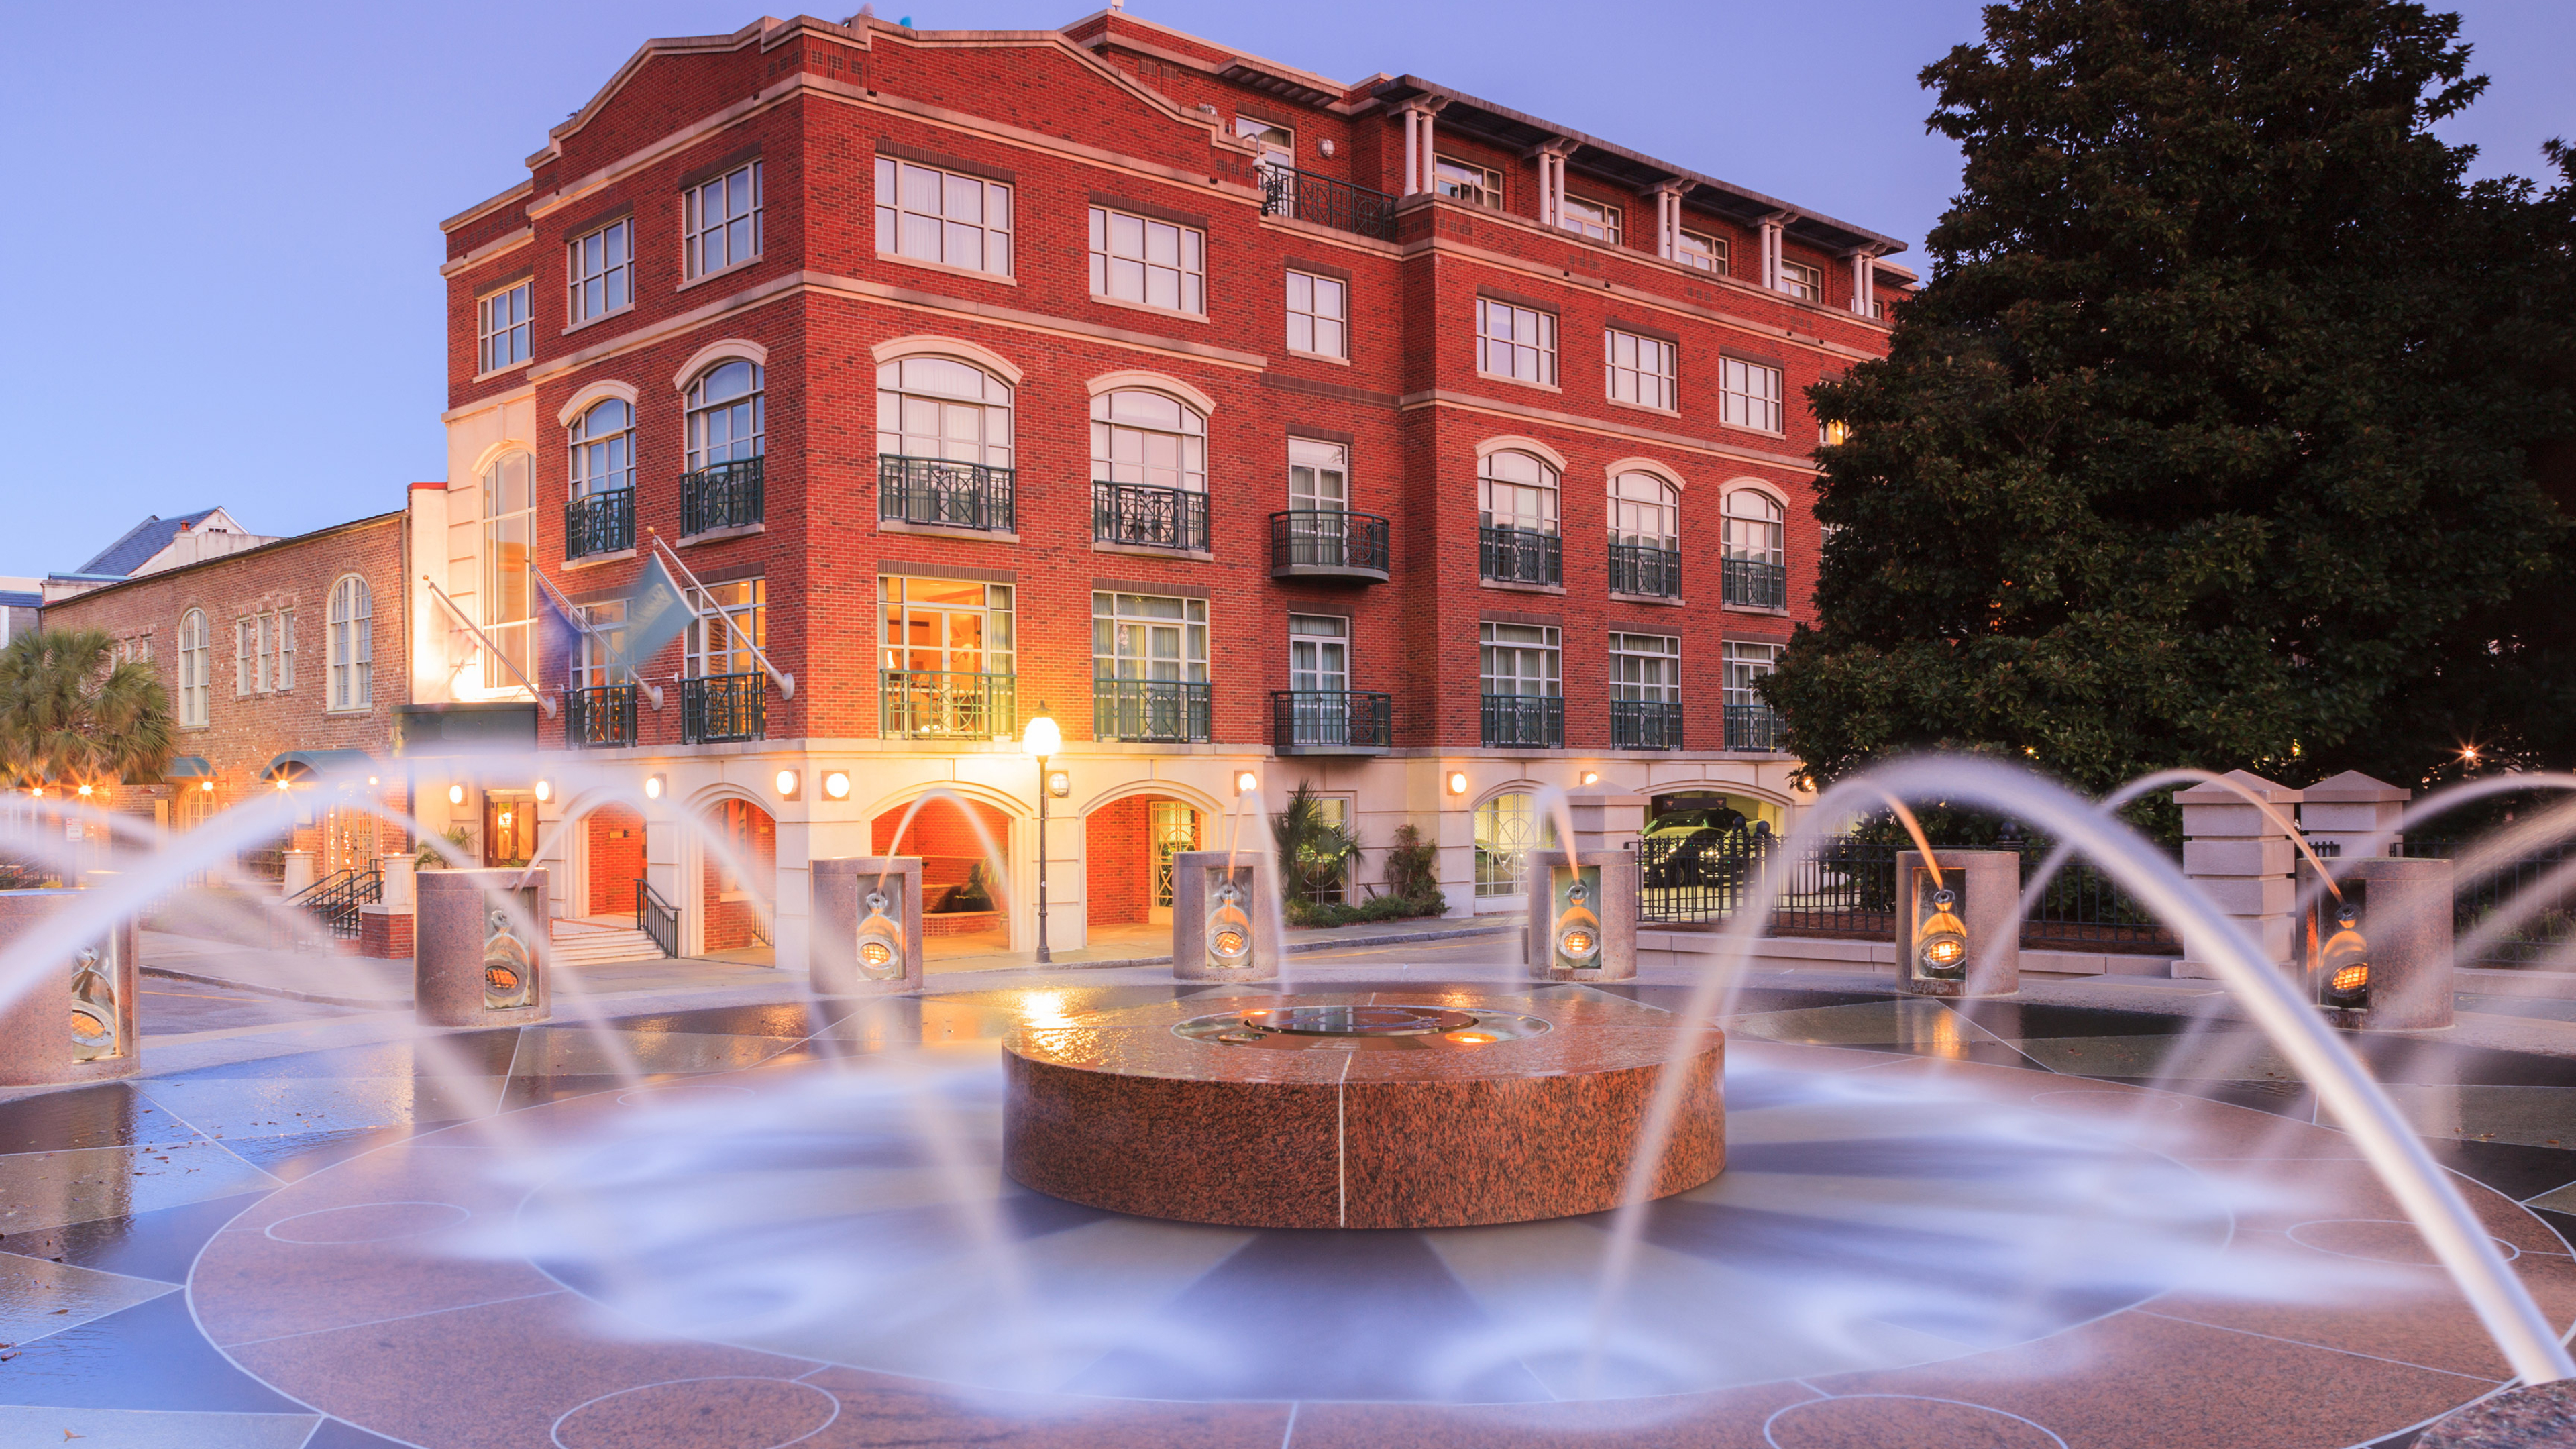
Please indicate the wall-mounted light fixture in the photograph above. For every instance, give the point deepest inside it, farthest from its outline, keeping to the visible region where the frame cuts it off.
(1245, 782)
(1592, 777)
(545, 791)
(787, 783)
(836, 784)
(1457, 782)
(652, 787)
(206, 785)
(1059, 783)
(455, 794)
(85, 790)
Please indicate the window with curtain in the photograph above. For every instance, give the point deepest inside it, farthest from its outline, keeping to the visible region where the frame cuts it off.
(352, 644)
(938, 407)
(1516, 490)
(1148, 438)
(725, 414)
(603, 449)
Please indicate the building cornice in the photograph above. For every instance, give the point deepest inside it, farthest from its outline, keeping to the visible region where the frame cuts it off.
(497, 246)
(1599, 427)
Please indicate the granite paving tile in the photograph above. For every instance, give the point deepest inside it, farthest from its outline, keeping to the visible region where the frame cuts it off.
(881, 1411)
(160, 1243)
(250, 1287)
(38, 1296)
(295, 1106)
(154, 1428)
(148, 1357)
(1725, 1419)
(549, 1051)
(111, 1114)
(431, 1054)
(717, 1413)
(2511, 1168)
(51, 1189)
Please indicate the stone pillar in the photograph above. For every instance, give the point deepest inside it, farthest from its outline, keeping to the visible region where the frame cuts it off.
(476, 960)
(2401, 913)
(1985, 886)
(1583, 912)
(2239, 856)
(2348, 810)
(398, 872)
(861, 902)
(1605, 819)
(1204, 920)
(75, 1021)
(791, 884)
(299, 872)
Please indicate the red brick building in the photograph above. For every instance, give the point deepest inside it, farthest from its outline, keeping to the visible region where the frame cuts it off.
(1368, 435)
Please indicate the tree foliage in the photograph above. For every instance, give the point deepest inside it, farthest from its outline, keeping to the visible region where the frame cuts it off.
(71, 715)
(2212, 438)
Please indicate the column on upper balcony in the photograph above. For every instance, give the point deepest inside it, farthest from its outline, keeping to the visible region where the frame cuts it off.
(1668, 218)
(1421, 168)
(1773, 226)
(1551, 181)
(1864, 269)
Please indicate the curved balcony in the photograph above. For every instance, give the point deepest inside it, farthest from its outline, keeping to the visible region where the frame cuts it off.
(1328, 544)
(1331, 722)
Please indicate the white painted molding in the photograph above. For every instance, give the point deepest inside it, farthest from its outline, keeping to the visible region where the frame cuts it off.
(592, 392)
(715, 352)
(1645, 465)
(1161, 382)
(1518, 443)
(928, 345)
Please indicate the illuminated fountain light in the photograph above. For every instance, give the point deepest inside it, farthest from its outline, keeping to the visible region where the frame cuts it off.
(867, 926)
(1220, 929)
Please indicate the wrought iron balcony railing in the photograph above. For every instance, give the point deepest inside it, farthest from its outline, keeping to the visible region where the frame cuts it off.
(1327, 543)
(719, 707)
(1753, 583)
(1645, 724)
(1331, 721)
(1139, 513)
(947, 493)
(599, 717)
(1519, 555)
(1523, 721)
(726, 495)
(600, 523)
(1752, 727)
(926, 704)
(1287, 191)
(1642, 568)
(1149, 711)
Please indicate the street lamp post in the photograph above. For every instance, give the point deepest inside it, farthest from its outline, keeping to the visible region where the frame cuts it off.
(1039, 739)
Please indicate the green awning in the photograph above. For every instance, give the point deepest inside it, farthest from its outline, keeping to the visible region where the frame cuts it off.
(188, 767)
(297, 766)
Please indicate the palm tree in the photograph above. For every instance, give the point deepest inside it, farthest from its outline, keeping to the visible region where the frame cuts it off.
(1313, 851)
(71, 715)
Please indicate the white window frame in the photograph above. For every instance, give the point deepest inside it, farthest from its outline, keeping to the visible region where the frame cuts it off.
(195, 670)
(1319, 315)
(509, 627)
(1311, 462)
(1320, 632)
(1115, 628)
(751, 408)
(1801, 281)
(282, 676)
(1631, 653)
(727, 241)
(1546, 493)
(1756, 528)
(1746, 661)
(1113, 435)
(1116, 258)
(1749, 395)
(1282, 152)
(994, 652)
(1501, 865)
(502, 328)
(245, 654)
(1549, 646)
(944, 235)
(1641, 371)
(746, 602)
(603, 639)
(1532, 361)
(351, 643)
(1602, 225)
(1701, 250)
(1485, 189)
(1627, 510)
(599, 272)
(925, 388)
(601, 461)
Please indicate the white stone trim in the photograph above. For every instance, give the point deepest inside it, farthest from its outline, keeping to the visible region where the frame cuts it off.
(592, 392)
(715, 352)
(924, 344)
(1161, 382)
(1520, 443)
(1665, 471)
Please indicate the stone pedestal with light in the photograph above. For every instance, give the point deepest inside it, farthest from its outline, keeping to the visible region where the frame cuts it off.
(2343, 815)
(2239, 854)
(2375, 950)
(1582, 913)
(73, 1021)
(1225, 916)
(479, 948)
(866, 923)
(1959, 936)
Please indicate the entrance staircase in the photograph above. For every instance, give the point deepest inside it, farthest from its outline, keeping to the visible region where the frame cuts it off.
(599, 940)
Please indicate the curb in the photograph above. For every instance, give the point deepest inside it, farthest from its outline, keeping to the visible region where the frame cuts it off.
(368, 1003)
(1295, 948)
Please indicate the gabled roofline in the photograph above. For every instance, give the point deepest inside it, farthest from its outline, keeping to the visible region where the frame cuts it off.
(113, 584)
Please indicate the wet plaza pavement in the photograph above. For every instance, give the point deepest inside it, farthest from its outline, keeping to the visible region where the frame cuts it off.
(396, 1241)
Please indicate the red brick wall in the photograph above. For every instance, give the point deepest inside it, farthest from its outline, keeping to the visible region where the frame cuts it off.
(616, 859)
(943, 837)
(754, 837)
(1116, 852)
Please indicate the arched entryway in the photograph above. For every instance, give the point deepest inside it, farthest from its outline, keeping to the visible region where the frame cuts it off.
(612, 861)
(1128, 845)
(739, 868)
(962, 845)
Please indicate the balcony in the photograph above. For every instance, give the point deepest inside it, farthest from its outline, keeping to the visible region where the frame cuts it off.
(1753, 583)
(1330, 722)
(1752, 727)
(1523, 721)
(1645, 724)
(925, 704)
(947, 494)
(599, 718)
(1149, 711)
(600, 523)
(1305, 196)
(724, 496)
(1519, 555)
(1144, 516)
(1643, 569)
(715, 708)
(1328, 544)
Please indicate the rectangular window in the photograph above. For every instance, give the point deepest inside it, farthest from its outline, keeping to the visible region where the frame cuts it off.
(245, 653)
(282, 625)
(720, 221)
(501, 329)
(1475, 185)
(1318, 313)
(1641, 369)
(1319, 653)
(1748, 395)
(946, 626)
(1745, 664)
(1153, 263)
(1595, 219)
(601, 641)
(1278, 144)
(1141, 636)
(1647, 667)
(1518, 659)
(715, 648)
(602, 270)
(1832, 435)
(1802, 281)
(1708, 253)
(1319, 478)
(1516, 342)
(940, 216)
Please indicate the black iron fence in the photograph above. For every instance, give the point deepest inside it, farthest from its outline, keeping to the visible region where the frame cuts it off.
(600, 523)
(1519, 555)
(1287, 191)
(1139, 513)
(333, 901)
(1330, 719)
(1151, 711)
(1319, 538)
(1522, 721)
(2539, 887)
(1645, 724)
(719, 707)
(1752, 727)
(947, 493)
(726, 495)
(599, 717)
(1637, 568)
(934, 704)
(1752, 583)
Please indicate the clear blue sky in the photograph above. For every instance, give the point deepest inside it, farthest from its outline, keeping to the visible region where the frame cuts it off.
(225, 240)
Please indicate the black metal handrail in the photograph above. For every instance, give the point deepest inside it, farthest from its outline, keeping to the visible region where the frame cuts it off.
(948, 493)
(1645, 724)
(937, 704)
(1522, 721)
(1322, 719)
(1753, 583)
(657, 918)
(1139, 513)
(1341, 205)
(2548, 921)
(1644, 568)
(725, 495)
(719, 707)
(599, 523)
(1519, 555)
(1752, 727)
(599, 717)
(1149, 711)
(333, 901)
(1327, 538)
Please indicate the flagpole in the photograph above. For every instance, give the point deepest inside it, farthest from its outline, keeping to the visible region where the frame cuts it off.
(786, 682)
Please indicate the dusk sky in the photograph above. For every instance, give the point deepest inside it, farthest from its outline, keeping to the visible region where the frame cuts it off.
(227, 237)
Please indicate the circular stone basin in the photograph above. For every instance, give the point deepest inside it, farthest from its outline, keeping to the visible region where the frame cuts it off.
(1374, 1111)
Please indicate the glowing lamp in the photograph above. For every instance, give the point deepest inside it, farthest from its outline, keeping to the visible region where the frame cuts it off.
(2344, 962)
(545, 791)
(1457, 782)
(836, 784)
(85, 789)
(1941, 940)
(1578, 924)
(1040, 737)
(1059, 784)
(207, 785)
(1229, 930)
(880, 941)
(455, 794)
(787, 782)
(505, 819)
(652, 787)
(1592, 777)
(1245, 782)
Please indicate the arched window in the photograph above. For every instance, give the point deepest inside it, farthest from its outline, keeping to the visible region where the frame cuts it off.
(509, 594)
(937, 407)
(725, 414)
(1508, 827)
(603, 449)
(352, 644)
(1645, 511)
(1516, 490)
(194, 668)
(1753, 527)
(1147, 438)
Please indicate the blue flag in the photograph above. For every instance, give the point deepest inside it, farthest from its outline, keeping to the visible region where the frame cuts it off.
(655, 614)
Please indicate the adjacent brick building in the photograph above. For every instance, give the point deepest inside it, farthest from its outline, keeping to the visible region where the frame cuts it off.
(1264, 427)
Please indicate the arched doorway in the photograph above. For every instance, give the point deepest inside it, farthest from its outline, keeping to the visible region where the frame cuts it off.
(1128, 845)
(963, 895)
(739, 870)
